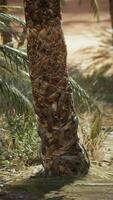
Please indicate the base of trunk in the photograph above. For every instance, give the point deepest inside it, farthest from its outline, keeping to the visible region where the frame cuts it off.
(74, 162)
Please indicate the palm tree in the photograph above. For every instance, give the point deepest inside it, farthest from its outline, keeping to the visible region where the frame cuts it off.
(62, 154)
(3, 2)
(14, 76)
(111, 11)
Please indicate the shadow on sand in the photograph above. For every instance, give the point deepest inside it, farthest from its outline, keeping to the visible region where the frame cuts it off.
(37, 188)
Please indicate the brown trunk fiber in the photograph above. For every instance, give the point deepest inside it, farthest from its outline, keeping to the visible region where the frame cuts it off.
(3, 2)
(62, 153)
(111, 11)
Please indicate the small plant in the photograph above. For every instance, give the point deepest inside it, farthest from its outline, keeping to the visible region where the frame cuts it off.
(92, 134)
(21, 145)
(89, 121)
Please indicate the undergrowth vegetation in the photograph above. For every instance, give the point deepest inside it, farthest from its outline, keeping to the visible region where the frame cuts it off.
(19, 144)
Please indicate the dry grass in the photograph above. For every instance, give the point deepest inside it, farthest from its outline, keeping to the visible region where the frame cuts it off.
(98, 60)
(94, 71)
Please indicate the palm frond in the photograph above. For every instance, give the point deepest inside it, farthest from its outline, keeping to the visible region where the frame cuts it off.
(94, 6)
(15, 87)
(13, 100)
(7, 18)
(11, 7)
(85, 104)
(14, 55)
(8, 31)
(4, 28)
(13, 74)
(80, 97)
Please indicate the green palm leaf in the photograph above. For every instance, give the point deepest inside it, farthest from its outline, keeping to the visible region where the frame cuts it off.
(13, 99)
(80, 97)
(7, 18)
(94, 7)
(14, 55)
(8, 30)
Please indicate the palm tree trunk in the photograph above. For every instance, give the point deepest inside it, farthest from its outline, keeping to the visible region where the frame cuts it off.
(3, 2)
(62, 153)
(111, 11)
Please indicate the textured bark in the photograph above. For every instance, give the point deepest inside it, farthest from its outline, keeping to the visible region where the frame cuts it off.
(62, 153)
(3, 2)
(111, 11)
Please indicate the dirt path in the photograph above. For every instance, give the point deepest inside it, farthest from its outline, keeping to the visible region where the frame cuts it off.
(96, 185)
(64, 188)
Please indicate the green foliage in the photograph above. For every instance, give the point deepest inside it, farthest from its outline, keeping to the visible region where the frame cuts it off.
(96, 124)
(89, 119)
(81, 99)
(15, 56)
(7, 18)
(15, 87)
(94, 6)
(14, 78)
(9, 29)
(14, 100)
(18, 139)
(20, 147)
